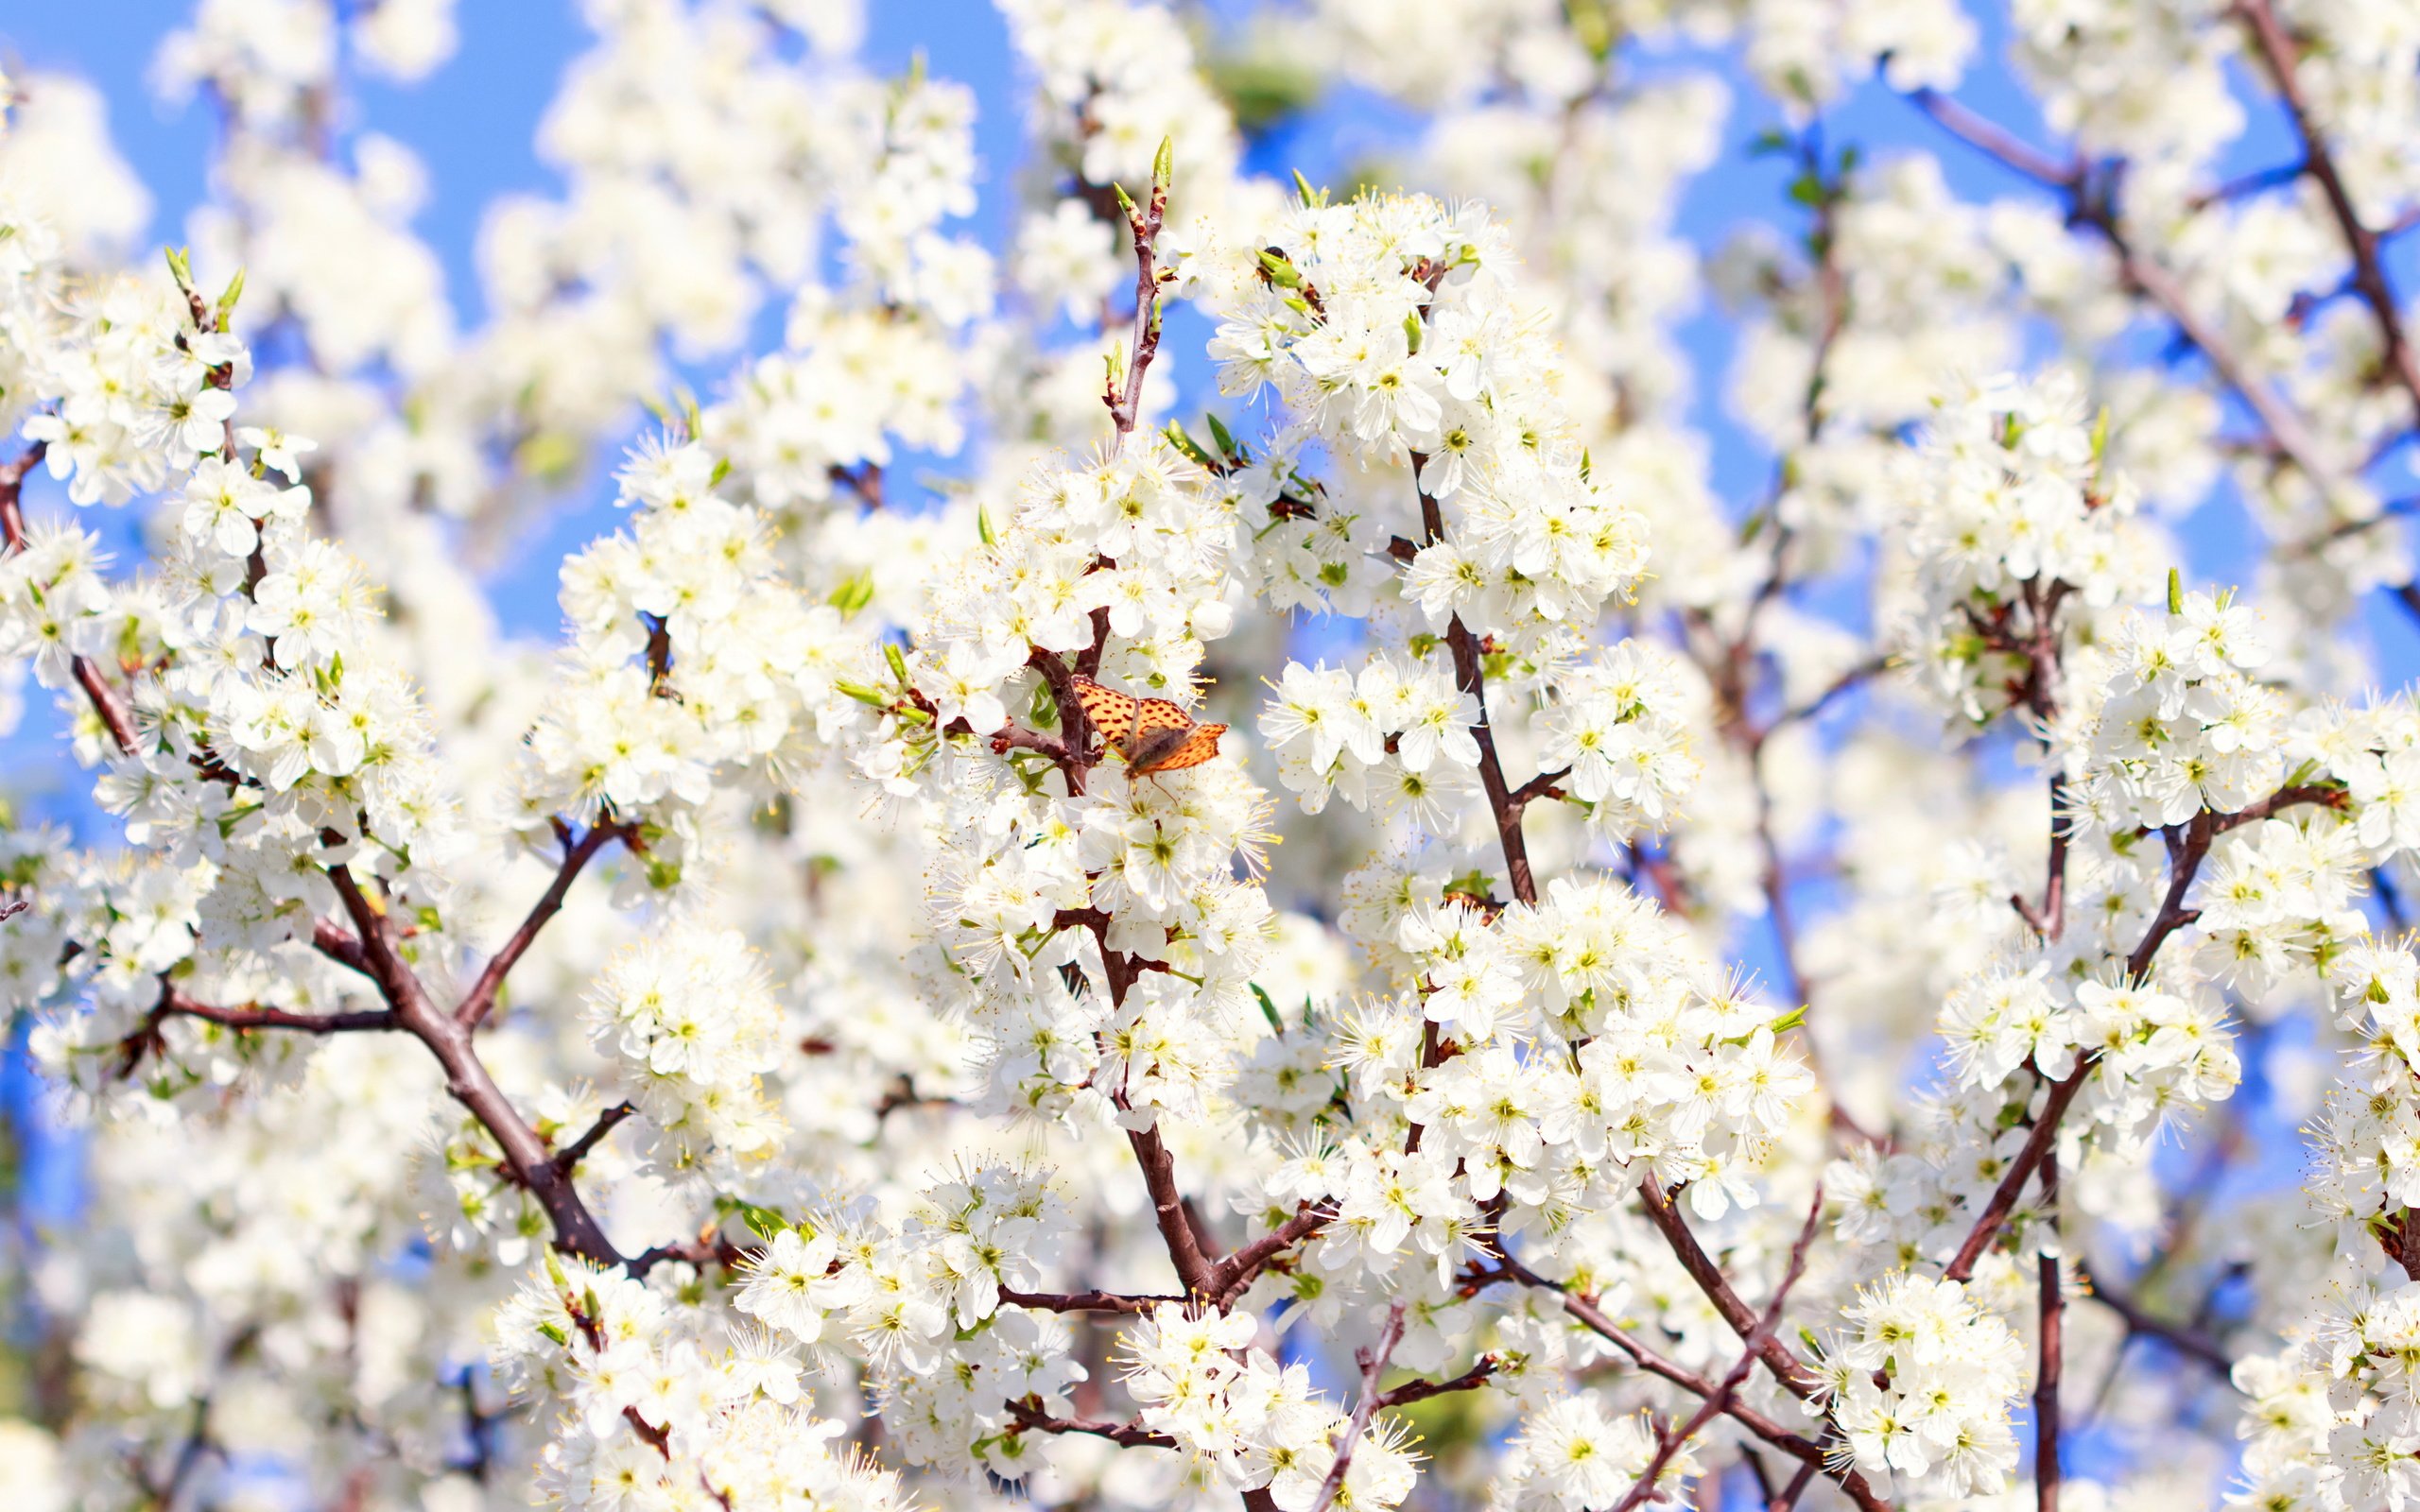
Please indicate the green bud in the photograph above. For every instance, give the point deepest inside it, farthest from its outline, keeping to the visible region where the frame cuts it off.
(852, 594)
(227, 300)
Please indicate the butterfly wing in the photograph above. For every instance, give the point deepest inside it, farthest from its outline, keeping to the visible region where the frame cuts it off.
(1157, 714)
(1192, 751)
(1112, 713)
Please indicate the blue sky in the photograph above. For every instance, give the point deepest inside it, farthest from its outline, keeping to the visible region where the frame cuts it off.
(473, 123)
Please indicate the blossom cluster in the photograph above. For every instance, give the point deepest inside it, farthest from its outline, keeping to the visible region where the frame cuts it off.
(1800, 1003)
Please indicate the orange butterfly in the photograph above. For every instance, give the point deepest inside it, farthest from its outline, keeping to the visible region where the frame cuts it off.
(1153, 734)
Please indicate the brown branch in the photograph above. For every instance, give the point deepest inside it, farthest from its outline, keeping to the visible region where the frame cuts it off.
(333, 941)
(1236, 1272)
(1787, 1368)
(1075, 728)
(2324, 794)
(1029, 1415)
(1144, 223)
(1470, 675)
(174, 1001)
(106, 701)
(467, 1079)
(2191, 1343)
(12, 483)
(1543, 785)
(1470, 1380)
(2052, 1283)
(480, 1000)
(1807, 1450)
(2278, 53)
(1719, 1401)
(1374, 1364)
(568, 1158)
(1084, 1301)
(2090, 207)
(2188, 845)
(1193, 1268)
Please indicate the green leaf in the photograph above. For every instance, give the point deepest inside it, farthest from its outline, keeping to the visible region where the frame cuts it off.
(227, 300)
(1269, 1011)
(852, 594)
(1226, 444)
(1186, 443)
(2175, 592)
(1279, 271)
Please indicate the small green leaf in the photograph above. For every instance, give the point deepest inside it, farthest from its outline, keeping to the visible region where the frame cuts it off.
(2175, 592)
(227, 300)
(1269, 1009)
(1219, 433)
(852, 594)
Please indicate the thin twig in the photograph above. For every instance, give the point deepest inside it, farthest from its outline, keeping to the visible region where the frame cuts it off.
(2051, 1279)
(1374, 1364)
(1719, 1402)
(567, 1158)
(2278, 53)
(1085, 1301)
(477, 1003)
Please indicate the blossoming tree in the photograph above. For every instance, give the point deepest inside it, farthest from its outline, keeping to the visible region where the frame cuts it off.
(1802, 999)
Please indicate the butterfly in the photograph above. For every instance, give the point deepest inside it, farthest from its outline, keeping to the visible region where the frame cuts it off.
(1153, 734)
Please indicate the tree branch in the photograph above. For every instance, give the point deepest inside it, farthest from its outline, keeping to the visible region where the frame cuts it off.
(1085, 1301)
(1719, 1402)
(1029, 1414)
(1470, 1380)
(467, 1079)
(173, 1000)
(2278, 53)
(480, 1000)
(2050, 1280)
(1144, 223)
(1786, 1368)
(1374, 1364)
(568, 1158)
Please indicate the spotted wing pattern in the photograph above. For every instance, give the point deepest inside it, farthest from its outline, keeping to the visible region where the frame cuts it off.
(1157, 714)
(1193, 750)
(1112, 713)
